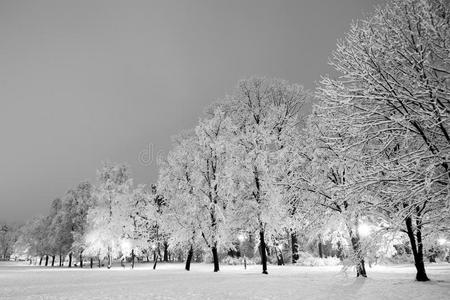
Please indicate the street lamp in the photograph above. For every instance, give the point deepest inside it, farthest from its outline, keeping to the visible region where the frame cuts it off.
(241, 238)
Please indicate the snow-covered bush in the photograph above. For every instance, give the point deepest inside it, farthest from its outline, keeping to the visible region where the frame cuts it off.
(306, 259)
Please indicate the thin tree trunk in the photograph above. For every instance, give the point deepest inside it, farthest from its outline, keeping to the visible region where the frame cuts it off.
(99, 262)
(40, 260)
(109, 260)
(81, 259)
(320, 249)
(340, 251)
(417, 249)
(189, 258)
(46, 260)
(166, 257)
(294, 242)
(60, 260)
(155, 259)
(263, 252)
(92, 262)
(132, 258)
(70, 259)
(53, 260)
(280, 259)
(215, 259)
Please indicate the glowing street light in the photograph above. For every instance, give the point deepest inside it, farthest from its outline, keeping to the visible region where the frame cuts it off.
(364, 230)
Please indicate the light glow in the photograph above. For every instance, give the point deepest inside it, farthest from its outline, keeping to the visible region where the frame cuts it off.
(364, 230)
(241, 237)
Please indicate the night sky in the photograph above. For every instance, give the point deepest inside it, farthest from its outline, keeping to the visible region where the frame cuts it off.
(86, 81)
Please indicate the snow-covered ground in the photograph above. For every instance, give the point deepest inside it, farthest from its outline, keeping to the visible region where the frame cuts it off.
(170, 281)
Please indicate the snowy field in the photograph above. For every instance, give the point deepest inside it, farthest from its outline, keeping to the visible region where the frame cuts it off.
(170, 281)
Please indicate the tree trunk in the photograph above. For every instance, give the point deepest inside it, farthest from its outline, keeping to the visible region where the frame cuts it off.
(40, 260)
(166, 257)
(60, 260)
(155, 259)
(99, 262)
(320, 249)
(294, 243)
(263, 252)
(70, 259)
(357, 250)
(46, 260)
(340, 251)
(215, 259)
(189, 258)
(360, 265)
(92, 262)
(109, 260)
(81, 259)
(53, 260)
(132, 258)
(280, 259)
(417, 249)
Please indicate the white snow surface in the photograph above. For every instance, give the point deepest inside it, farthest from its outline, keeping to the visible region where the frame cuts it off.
(171, 281)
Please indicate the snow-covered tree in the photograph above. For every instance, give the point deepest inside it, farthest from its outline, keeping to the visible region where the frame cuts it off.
(264, 113)
(212, 183)
(176, 184)
(59, 239)
(141, 230)
(107, 220)
(198, 186)
(391, 104)
(32, 238)
(323, 175)
(8, 237)
(77, 203)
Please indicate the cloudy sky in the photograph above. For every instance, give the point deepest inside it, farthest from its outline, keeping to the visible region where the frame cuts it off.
(86, 81)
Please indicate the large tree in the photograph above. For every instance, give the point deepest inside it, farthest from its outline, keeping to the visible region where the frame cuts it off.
(264, 113)
(392, 105)
(78, 201)
(177, 186)
(106, 220)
